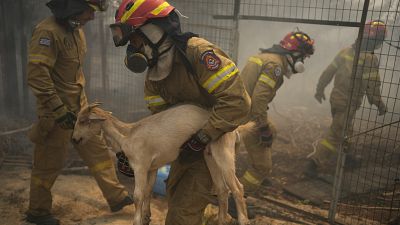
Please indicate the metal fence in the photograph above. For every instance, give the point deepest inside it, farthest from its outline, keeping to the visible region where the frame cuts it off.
(368, 194)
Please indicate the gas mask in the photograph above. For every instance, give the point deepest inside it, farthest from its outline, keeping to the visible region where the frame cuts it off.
(295, 64)
(135, 60)
(155, 52)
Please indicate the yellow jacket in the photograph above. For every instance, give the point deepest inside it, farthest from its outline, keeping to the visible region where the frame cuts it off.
(263, 76)
(367, 80)
(55, 59)
(215, 85)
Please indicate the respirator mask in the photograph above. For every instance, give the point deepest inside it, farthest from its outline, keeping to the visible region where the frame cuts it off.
(295, 63)
(153, 48)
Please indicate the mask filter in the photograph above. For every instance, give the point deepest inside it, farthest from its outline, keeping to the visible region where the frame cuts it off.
(299, 67)
(135, 61)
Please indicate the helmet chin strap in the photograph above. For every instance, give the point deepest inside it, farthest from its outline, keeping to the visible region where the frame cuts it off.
(154, 48)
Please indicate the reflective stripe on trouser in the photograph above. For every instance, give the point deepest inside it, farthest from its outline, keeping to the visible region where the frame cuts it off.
(96, 156)
(260, 162)
(48, 161)
(189, 191)
(327, 149)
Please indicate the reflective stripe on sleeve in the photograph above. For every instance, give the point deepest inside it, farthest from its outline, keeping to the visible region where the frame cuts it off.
(154, 100)
(256, 61)
(350, 58)
(160, 8)
(218, 78)
(266, 79)
(37, 58)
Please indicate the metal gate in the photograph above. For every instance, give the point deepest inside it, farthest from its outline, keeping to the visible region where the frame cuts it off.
(369, 194)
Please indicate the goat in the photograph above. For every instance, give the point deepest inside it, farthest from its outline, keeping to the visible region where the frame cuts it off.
(155, 141)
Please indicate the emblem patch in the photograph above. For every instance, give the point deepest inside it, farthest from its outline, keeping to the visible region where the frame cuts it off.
(45, 42)
(278, 71)
(210, 60)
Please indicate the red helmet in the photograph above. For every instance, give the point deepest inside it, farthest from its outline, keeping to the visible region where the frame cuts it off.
(375, 29)
(298, 42)
(137, 12)
(132, 14)
(98, 5)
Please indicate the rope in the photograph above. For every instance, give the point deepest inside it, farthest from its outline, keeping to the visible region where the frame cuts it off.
(16, 131)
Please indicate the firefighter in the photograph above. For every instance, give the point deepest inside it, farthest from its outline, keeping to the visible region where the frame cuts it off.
(367, 82)
(182, 68)
(56, 52)
(263, 75)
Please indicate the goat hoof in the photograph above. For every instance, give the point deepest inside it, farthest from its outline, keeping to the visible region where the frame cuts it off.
(146, 220)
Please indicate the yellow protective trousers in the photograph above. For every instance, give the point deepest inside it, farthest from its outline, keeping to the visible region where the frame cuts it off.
(50, 152)
(189, 191)
(327, 149)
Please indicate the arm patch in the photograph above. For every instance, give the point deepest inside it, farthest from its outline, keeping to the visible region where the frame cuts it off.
(210, 60)
(45, 41)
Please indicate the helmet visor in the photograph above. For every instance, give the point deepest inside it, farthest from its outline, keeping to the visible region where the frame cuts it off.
(121, 33)
(98, 5)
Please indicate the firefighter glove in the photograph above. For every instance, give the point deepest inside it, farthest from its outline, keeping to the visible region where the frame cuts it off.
(64, 118)
(266, 136)
(382, 109)
(320, 96)
(123, 165)
(192, 149)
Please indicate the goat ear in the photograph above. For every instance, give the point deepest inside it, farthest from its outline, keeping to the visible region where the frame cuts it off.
(95, 117)
(94, 105)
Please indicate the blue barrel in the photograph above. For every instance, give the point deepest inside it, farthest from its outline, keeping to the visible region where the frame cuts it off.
(162, 175)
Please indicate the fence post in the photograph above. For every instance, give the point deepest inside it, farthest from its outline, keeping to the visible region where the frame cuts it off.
(10, 79)
(236, 12)
(337, 185)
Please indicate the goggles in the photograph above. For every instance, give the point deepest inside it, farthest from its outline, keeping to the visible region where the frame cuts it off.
(121, 33)
(98, 5)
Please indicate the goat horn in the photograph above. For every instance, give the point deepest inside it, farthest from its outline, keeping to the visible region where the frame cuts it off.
(94, 105)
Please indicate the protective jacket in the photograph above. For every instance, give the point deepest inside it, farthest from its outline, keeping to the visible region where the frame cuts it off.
(213, 83)
(55, 67)
(55, 76)
(263, 76)
(367, 80)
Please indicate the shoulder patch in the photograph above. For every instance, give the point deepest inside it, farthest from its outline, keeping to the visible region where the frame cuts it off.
(45, 42)
(278, 71)
(210, 60)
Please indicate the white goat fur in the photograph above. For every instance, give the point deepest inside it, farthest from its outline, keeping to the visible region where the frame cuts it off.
(155, 141)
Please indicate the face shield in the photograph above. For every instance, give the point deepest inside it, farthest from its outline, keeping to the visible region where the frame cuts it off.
(121, 33)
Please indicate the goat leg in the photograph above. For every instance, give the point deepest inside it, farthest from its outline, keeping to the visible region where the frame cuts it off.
(152, 175)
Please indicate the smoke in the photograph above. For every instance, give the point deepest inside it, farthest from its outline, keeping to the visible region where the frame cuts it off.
(299, 90)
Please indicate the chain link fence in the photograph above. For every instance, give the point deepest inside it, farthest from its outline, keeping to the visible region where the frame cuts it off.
(367, 194)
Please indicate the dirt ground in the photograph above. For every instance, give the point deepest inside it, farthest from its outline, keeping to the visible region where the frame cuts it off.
(78, 200)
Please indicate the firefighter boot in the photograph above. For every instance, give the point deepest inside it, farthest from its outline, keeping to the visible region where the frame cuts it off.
(128, 200)
(42, 220)
(233, 211)
(311, 170)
